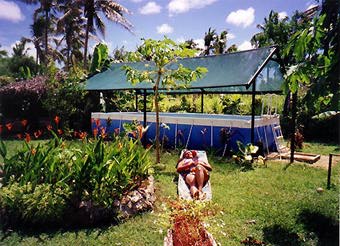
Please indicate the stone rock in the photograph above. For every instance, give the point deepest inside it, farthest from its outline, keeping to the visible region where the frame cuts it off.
(320, 190)
(138, 200)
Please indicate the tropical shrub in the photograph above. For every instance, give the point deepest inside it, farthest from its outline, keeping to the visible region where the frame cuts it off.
(24, 99)
(245, 156)
(92, 171)
(40, 204)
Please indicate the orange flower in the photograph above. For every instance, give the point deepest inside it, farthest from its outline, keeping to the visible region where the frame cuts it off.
(56, 119)
(27, 137)
(95, 132)
(49, 127)
(103, 132)
(24, 123)
(120, 146)
(97, 122)
(19, 136)
(38, 133)
(9, 126)
(33, 151)
(60, 131)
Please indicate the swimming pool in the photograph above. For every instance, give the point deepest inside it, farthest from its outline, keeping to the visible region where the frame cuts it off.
(195, 130)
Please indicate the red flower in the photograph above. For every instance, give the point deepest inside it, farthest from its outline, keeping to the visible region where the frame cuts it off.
(56, 119)
(97, 122)
(82, 135)
(60, 131)
(1, 129)
(95, 132)
(76, 134)
(9, 126)
(38, 133)
(24, 123)
(148, 146)
(19, 136)
(49, 127)
(27, 137)
(116, 130)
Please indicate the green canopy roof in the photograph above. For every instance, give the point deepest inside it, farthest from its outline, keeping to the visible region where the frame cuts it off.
(227, 73)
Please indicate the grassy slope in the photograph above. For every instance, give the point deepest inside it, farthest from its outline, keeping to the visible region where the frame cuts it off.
(284, 204)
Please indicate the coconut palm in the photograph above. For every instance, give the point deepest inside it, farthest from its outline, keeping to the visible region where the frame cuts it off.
(220, 43)
(70, 25)
(44, 9)
(112, 10)
(208, 41)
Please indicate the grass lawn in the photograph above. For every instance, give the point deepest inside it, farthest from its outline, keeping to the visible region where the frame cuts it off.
(283, 207)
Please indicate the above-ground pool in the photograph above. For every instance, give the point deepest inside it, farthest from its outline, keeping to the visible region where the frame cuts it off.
(197, 131)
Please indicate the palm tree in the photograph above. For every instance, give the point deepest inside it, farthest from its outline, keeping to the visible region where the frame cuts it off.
(45, 9)
(19, 49)
(220, 43)
(208, 39)
(112, 10)
(37, 31)
(71, 26)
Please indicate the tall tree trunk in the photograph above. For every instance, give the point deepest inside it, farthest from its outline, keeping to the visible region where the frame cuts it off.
(86, 42)
(46, 34)
(158, 155)
(36, 61)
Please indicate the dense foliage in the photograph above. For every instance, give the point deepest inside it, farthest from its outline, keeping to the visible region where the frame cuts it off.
(309, 44)
(40, 181)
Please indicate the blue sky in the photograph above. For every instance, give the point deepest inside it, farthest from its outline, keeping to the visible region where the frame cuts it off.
(178, 19)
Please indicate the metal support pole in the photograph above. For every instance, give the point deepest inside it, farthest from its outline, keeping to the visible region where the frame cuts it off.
(292, 130)
(329, 171)
(144, 110)
(144, 119)
(252, 133)
(202, 101)
(136, 101)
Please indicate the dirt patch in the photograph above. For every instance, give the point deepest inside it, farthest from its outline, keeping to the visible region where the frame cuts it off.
(321, 163)
(324, 161)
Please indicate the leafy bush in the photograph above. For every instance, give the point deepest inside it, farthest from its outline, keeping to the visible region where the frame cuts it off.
(244, 156)
(40, 204)
(95, 171)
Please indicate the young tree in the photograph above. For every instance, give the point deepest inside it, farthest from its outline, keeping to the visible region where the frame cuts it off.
(163, 70)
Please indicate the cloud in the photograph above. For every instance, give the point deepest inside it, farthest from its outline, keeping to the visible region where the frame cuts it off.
(230, 36)
(246, 45)
(200, 43)
(150, 8)
(10, 11)
(282, 15)
(241, 17)
(180, 40)
(165, 29)
(182, 6)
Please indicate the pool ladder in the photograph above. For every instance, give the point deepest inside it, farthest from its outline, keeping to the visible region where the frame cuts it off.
(279, 141)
